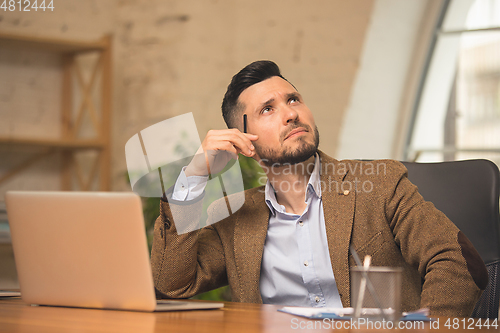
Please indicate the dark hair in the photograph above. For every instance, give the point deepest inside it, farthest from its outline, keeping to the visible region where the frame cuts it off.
(254, 73)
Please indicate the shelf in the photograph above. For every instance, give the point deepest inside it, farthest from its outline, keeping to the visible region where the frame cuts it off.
(51, 44)
(54, 143)
(73, 176)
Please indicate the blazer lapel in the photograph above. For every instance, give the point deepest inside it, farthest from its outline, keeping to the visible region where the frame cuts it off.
(249, 236)
(338, 195)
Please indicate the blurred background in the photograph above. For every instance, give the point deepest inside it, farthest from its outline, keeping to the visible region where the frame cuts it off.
(407, 80)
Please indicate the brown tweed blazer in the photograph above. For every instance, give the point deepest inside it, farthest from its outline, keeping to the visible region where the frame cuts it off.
(371, 205)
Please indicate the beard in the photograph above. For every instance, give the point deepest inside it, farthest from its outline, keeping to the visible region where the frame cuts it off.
(274, 157)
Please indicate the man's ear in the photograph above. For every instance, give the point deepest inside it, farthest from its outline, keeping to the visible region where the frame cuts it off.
(239, 111)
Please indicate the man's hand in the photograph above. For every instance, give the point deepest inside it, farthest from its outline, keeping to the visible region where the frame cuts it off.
(218, 147)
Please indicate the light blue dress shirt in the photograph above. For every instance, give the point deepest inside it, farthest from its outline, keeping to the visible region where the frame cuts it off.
(296, 268)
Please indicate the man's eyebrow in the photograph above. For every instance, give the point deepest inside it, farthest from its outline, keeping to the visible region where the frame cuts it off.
(269, 101)
(293, 95)
(288, 96)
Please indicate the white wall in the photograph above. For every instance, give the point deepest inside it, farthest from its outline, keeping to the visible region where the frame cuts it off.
(371, 122)
(171, 57)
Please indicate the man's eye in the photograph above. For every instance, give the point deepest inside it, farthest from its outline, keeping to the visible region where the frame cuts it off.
(264, 110)
(293, 100)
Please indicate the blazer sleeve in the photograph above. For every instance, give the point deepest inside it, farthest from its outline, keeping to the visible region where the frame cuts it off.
(452, 271)
(187, 264)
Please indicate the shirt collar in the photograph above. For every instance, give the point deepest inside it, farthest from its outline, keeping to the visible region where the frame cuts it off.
(313, 188)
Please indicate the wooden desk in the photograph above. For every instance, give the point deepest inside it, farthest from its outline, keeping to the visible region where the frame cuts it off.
(15, 316)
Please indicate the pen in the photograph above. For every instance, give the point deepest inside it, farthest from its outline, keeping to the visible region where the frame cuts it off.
(244, 123)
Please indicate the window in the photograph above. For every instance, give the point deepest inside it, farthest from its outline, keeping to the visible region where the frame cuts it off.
(457, 114)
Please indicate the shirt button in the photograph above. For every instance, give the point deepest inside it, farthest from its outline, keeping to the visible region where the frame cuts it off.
(317, 299)
(301, 223)
(306, 263)
(346, 192)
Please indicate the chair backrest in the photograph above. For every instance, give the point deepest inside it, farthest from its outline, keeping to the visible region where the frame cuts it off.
(468, 193)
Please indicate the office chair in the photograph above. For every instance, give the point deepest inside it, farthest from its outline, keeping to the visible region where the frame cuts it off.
(468, 193)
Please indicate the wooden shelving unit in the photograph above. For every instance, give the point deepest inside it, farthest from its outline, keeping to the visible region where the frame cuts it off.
(70, 141)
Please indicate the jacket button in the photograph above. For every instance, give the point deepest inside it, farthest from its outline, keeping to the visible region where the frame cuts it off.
(346, 192)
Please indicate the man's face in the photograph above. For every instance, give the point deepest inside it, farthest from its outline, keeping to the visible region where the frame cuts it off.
(277, 113)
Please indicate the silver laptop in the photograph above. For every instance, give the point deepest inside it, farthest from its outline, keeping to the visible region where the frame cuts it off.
(84, 249)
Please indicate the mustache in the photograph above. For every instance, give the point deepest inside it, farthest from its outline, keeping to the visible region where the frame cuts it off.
(293, 126)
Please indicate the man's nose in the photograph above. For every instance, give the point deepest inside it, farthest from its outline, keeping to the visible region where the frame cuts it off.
(289, 115)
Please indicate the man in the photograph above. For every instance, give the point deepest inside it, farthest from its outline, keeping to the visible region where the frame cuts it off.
(289, 242)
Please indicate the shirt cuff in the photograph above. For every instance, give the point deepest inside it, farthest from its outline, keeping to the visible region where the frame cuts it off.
(188, 188)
